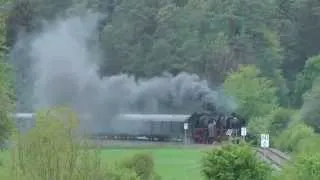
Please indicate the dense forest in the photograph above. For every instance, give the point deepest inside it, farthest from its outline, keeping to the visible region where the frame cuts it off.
(209, 38)
(265, 53)
(277, 39)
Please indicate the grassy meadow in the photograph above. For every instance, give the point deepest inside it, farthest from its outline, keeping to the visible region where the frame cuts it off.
(170, 163)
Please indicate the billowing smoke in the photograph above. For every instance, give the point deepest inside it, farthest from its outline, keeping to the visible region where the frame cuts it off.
(65, 57)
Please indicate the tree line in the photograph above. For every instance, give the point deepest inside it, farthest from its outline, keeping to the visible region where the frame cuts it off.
(265, 53)
(209, 38)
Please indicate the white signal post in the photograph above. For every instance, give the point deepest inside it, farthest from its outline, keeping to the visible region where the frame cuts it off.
(243, 133)
(264, 143)
(185, 127)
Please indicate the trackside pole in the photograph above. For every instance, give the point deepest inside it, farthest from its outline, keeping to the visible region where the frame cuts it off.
(229, 134)
(264, 142)
(185, 127)
(243, 133)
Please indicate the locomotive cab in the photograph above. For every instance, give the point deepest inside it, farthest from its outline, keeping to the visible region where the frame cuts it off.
(207, 127)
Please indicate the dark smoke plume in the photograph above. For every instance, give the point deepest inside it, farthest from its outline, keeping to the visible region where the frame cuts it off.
(64, 63)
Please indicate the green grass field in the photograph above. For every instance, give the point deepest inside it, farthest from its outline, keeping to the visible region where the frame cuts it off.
(170, 163)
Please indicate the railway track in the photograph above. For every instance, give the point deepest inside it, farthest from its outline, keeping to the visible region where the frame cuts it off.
(277, 158)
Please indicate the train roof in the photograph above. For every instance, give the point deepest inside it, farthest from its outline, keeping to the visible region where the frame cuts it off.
(128, 117)
(32, 115)
(153, 117)
(23, 115)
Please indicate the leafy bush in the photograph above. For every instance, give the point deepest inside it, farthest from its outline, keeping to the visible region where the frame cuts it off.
(309, 144)
(290, 138)
(305, 166)
(231, 162)
(52, 150)
(118, 173)
(143, 166)
(273, 123)
(256, 126)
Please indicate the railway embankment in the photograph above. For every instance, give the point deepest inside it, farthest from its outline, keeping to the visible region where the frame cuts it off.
(273, 156)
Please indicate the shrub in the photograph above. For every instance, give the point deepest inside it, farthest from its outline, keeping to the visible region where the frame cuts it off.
(304, 166)
(273, 123)
(231, 162)
(119, 173)
(143, 165)
(289, 139)
(52, 150)
(309, 144)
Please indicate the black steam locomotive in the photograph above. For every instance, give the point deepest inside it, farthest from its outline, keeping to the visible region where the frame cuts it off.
(222, 126)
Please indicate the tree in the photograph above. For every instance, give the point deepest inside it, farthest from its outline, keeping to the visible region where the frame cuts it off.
(256, 95)
(279, 120)
(234, 162)
(310, 108)
(7, 99)
(306, 78)
(55, 150)
(7, 96)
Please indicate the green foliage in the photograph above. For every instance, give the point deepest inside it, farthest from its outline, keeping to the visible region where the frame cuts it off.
(7, 99)
(256, 95)
(116, 173)
(309, 144)
(289, 139)
(276, 41)
(143, 166)
(53, 150)
(273, 123)
(231, 162)
(7, 96)
(258, 125)
(304, 166)
(306, 78)
(210, 38)
(279, 120)
(310, 108)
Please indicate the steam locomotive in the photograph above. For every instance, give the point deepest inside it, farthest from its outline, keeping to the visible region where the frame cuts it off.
(163, 127)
